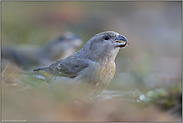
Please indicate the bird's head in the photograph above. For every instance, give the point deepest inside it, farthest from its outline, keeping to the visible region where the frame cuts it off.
(105, 44)
(66, 40)
(63, 45)
(72, 39)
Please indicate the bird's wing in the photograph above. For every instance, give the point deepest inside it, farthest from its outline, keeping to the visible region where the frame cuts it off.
(66, 67)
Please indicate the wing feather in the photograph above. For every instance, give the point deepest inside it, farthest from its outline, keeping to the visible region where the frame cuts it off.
(64, 68)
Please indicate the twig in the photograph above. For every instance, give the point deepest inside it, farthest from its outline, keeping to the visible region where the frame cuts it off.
(4, 70)
(8, 76)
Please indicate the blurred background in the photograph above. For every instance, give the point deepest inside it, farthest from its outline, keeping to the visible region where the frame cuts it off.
(147, 84)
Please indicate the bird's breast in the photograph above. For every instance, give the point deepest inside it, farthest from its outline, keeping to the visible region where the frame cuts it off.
(104, 77)
(106, 74)
(99, 78)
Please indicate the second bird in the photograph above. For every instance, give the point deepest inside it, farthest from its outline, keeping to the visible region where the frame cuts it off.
(28, 58)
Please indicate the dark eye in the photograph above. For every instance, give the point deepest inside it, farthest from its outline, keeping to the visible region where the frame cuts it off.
(106, 37)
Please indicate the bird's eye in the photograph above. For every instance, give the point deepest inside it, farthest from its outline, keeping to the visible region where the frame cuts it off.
(106, 37)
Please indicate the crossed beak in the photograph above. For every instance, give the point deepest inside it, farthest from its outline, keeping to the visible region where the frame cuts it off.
(121, 41)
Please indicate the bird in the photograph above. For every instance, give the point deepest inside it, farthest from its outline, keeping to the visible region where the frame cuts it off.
(27, 58)
(87, 72)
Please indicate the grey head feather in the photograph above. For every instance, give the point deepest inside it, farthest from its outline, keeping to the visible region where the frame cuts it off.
(98, 49)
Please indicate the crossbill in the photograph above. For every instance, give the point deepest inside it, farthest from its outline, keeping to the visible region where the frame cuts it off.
(87, 72)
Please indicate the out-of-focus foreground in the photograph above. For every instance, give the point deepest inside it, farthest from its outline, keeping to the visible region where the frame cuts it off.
(147, 84)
